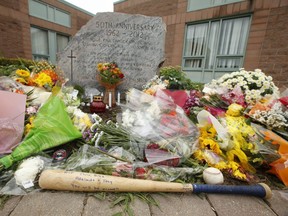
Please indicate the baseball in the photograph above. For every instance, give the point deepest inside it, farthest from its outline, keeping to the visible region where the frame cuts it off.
(213, 175)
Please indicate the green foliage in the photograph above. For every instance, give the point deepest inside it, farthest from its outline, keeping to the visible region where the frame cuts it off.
(125, 200)
(16, 61)
(81, 90)
(9, 65)
(3, 200)
(177, 79)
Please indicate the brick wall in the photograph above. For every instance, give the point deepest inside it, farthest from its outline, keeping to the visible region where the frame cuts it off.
(15, 22)
(274, 51)
(267, 46)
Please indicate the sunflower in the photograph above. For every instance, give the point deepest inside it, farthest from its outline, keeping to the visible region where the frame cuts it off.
(23, 73)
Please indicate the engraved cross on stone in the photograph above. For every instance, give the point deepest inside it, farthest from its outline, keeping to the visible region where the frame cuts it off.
(71, 57)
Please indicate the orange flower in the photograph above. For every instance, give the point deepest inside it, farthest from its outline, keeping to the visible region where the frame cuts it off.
(258, 106)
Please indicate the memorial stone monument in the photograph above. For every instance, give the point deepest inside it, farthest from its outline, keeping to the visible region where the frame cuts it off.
(135, 42)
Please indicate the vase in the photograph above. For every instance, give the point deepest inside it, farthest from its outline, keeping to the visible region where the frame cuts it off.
(109, 90)
(109, 96)
(97, 106)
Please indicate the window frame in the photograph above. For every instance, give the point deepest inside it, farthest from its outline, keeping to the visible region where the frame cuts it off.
(52, 44)
(190, 70)
(50, 14)
(206, 5)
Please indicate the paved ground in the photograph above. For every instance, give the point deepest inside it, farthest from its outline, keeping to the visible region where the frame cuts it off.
(49, 203)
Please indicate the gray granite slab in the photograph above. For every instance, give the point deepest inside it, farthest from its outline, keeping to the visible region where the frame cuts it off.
(135, 42)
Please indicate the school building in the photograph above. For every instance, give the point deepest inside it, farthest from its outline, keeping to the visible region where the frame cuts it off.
(211, 37)
(35, 29)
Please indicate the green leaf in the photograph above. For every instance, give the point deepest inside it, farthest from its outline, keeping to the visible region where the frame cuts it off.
(118, 214)
(118, 201)
(100, 196)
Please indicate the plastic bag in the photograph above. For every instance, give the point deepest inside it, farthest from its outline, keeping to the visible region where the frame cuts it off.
(11, 134)
(279, 166)
(8, 84)
(52, 127)
(159, 121)
(90, 159)
(10, 184)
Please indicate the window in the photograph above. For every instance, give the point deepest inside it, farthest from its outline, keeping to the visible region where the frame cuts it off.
(215, 47)
(62, 42)
(46, 44)
(194, 5)
(39, 41)
(50, 13)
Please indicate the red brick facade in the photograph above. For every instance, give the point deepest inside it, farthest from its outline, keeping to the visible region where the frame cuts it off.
(15, 23)
(267, 46)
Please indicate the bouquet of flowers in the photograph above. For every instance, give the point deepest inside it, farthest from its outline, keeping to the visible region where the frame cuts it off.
(91, 159)
(274, 116)
(109, 73)
(164, 125)
(227, 143)
(154, 84)
(248, 87)
(42, 74)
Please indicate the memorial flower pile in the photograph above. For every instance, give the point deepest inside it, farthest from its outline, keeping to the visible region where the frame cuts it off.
(239, 123)
(109, 73)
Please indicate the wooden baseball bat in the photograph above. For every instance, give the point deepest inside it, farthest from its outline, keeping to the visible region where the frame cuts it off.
(89, 182)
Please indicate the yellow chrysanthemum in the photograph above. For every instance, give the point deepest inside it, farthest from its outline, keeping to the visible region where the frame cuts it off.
(29, 125)
(234, 110)
(22, 73)
(43, 79)
(27, 128)
(100, 66)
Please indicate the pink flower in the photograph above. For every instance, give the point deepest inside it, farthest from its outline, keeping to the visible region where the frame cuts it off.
(31, 110)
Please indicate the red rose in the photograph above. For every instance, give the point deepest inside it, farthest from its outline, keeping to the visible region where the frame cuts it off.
(140, 172)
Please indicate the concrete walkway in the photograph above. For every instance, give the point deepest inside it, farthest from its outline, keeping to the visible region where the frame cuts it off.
(49, 203)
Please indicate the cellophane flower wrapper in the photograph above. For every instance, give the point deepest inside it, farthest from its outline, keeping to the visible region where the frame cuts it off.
(89, 159)
(8, 84)
(52, 127)
(162, 123)
(275, 152)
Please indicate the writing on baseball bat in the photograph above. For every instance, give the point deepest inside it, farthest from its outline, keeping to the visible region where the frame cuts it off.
(90, 188)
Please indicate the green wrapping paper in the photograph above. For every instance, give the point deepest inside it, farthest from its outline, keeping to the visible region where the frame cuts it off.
(52, 127)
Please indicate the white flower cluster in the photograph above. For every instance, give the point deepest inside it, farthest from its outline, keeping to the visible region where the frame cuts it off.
(156, 81)
(273, 118)
(141, 117)
(254, 84)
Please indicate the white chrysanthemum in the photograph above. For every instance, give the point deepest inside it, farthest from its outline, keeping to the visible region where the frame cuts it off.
(28, 170)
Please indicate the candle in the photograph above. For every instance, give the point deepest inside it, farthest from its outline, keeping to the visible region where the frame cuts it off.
(110, 99)
(102, 94)
(127, 99)
(118, 98)
(91, 98)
